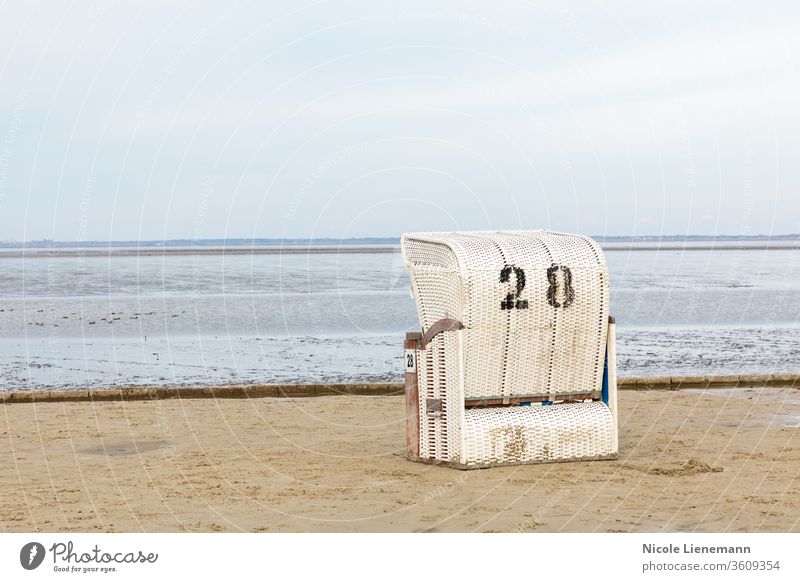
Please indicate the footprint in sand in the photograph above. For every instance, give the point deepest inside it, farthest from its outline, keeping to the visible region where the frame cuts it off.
(690, 467)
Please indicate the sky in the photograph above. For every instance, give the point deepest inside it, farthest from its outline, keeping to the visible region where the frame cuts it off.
(167, 119)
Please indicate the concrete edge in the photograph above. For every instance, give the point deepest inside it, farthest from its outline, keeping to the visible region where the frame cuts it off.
(372, 389)
(132, 393)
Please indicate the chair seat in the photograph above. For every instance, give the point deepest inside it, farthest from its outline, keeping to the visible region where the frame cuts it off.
(538, 434)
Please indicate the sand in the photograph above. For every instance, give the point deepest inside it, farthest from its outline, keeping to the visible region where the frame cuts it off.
(691, 460)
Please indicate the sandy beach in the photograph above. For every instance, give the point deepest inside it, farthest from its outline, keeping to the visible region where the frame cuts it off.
(691, 460)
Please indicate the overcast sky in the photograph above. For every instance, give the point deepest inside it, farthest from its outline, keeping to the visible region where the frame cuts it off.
(134, 120)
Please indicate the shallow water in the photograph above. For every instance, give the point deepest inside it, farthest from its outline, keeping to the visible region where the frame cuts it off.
(70, 322)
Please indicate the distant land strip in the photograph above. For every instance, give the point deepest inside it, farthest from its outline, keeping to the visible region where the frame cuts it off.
(722, 246)
(39, 253)
(370, 241)
(371, 389)
(196, 251)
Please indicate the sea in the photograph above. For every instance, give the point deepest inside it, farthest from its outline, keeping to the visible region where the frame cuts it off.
(88, 318)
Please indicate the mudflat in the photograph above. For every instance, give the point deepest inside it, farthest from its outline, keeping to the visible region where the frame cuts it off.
(690, 460)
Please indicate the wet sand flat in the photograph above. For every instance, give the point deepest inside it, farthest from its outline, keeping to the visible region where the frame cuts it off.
(690, 460)
(80, 322)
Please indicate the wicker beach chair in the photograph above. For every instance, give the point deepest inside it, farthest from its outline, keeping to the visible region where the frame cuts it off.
(516, 359)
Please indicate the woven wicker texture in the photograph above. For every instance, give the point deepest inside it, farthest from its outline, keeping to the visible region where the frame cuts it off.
(438, 373)
(534, 305)
(535, 434)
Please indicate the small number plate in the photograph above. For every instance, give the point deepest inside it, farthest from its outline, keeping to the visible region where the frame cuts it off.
(411, 360)
(433, 407)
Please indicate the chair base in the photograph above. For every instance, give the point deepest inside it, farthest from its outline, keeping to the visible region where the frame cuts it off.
(521, 435)
(463, 467)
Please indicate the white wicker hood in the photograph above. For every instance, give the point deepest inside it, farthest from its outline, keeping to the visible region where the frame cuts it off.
(534, 305)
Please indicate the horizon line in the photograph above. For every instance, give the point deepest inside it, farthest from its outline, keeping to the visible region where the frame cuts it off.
(12, 243)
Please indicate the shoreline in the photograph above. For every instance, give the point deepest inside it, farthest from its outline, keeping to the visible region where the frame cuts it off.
(51, 253)
(365, 389)
(195, 251)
